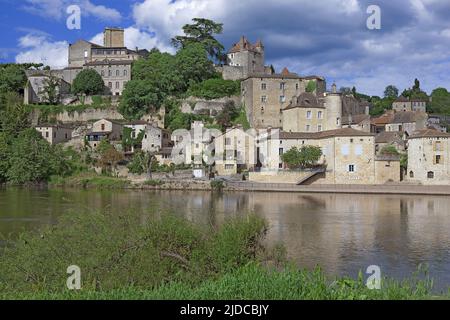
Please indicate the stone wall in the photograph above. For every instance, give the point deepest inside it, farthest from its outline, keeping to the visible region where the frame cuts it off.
(285, 177)
(209, 107)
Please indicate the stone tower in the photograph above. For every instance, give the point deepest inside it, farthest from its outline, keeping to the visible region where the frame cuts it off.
(333, 104)
(114, 38)
(246, 56)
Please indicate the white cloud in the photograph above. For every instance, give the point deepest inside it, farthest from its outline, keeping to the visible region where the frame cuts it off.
(40, 49)
(56, 9)
(135, 38)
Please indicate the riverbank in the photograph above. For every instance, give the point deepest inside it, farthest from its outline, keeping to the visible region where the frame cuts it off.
(162, 257)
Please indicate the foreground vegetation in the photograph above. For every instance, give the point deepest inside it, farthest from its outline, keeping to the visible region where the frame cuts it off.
(159, 256)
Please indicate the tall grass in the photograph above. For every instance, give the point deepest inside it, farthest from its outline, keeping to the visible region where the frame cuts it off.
(159, 256)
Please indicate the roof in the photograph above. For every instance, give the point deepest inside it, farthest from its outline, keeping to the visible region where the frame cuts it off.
(408, 116)
(344, 132)
(355, 119)
(401, 99)
(389, 136)
(305, 100)
(429, 133)
(49, 125)
(245, 45)
(383, 119)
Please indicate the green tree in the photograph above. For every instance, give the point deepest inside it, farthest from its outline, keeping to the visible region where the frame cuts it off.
(138, 165)
(31, 159)
(14, 116)
(440, 101)
(13, 77)
(109, 157)
(306, 157)
(389, 150)
(50, 90)
(229, 113)
(202, 31)
(88, 82)
(311, 86)
(137, 98)
(391, 91)
(4, 159)
(215, 88)
(193, 65)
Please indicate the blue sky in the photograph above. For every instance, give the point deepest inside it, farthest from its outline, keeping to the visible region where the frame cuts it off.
(327, 37)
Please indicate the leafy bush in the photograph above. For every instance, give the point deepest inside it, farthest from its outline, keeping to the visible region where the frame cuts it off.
(117, 251)
(88, 82)
(215, 88)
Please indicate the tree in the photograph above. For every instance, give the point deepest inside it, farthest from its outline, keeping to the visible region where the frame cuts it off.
(31, 159)
(391, 91)
(306, 157)
(215, 88)
(13, 77)
(227, 115)
(4, 160)
(13, 114)
(311, 86)
(440, 101)
(416, 87)
(193, 65)
(137, 98)
(138, 164)
(389, 150)
(88, 82)
(202, 31)
(109, 156)
(50, 90)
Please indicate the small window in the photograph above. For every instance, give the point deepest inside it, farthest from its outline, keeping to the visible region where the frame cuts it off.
(351, 168)
(411, 174)
(282, 99)
(228, 141)
(125, 72)
(117, 73)
(263, 86)
(280, 166)
(263, 99)
(280, 152)
(110, 85)
(308, 127)
(319, 114)
(430, 175)
(319, 128)
(117, 85)
(308, 114)
(103, 127)
(282, 86)
(438, 159)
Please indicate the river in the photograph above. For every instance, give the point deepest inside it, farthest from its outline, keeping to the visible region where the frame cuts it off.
(341, 233)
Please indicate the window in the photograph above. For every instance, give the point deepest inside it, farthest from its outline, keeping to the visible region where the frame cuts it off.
(227, 141)
(319, 114)
(54, 134)
(103, 127)
(282, 99)
(85, 53)
(319, 127)
(263, 86)
(117, 73)
(280, 166)
(109, 73)
(338, 121)
(430, 175)
(308, 114)
(296, 86)
(437, 159)
(282, 86)
(411, 174)
(46, 134)
(117, 85)
(102, 73)
(308, 127)
(263, 99)
(110, 85)
(438, 146)
(125, 72)
(351, 168)
(229, 166)
(280, 152)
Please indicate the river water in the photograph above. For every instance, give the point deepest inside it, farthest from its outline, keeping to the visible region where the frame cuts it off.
(341, 233)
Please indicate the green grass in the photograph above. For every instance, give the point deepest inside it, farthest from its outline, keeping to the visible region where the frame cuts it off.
(159, 256)
(89, 180)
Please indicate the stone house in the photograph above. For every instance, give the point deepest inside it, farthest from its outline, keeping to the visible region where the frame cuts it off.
(36, 83)
(408, 121)
(348, 158)
(391, 138)
(429, 157)
(244, 59)
(55, 133)
(265, 96)
(104, 129)
(378, 124)
(406, 104)
(305, 114)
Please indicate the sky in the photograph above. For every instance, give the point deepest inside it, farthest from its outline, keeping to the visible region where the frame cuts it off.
(329, 38)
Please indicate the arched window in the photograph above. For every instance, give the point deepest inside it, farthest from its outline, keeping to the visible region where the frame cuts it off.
(125, 72)
(117, 73)
(411, 174)
(430, 175)
(109, 73)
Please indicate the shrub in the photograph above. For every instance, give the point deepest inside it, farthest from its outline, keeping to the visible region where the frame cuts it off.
(215, 88)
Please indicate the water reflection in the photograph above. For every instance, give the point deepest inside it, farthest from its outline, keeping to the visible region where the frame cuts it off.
(341, 233)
